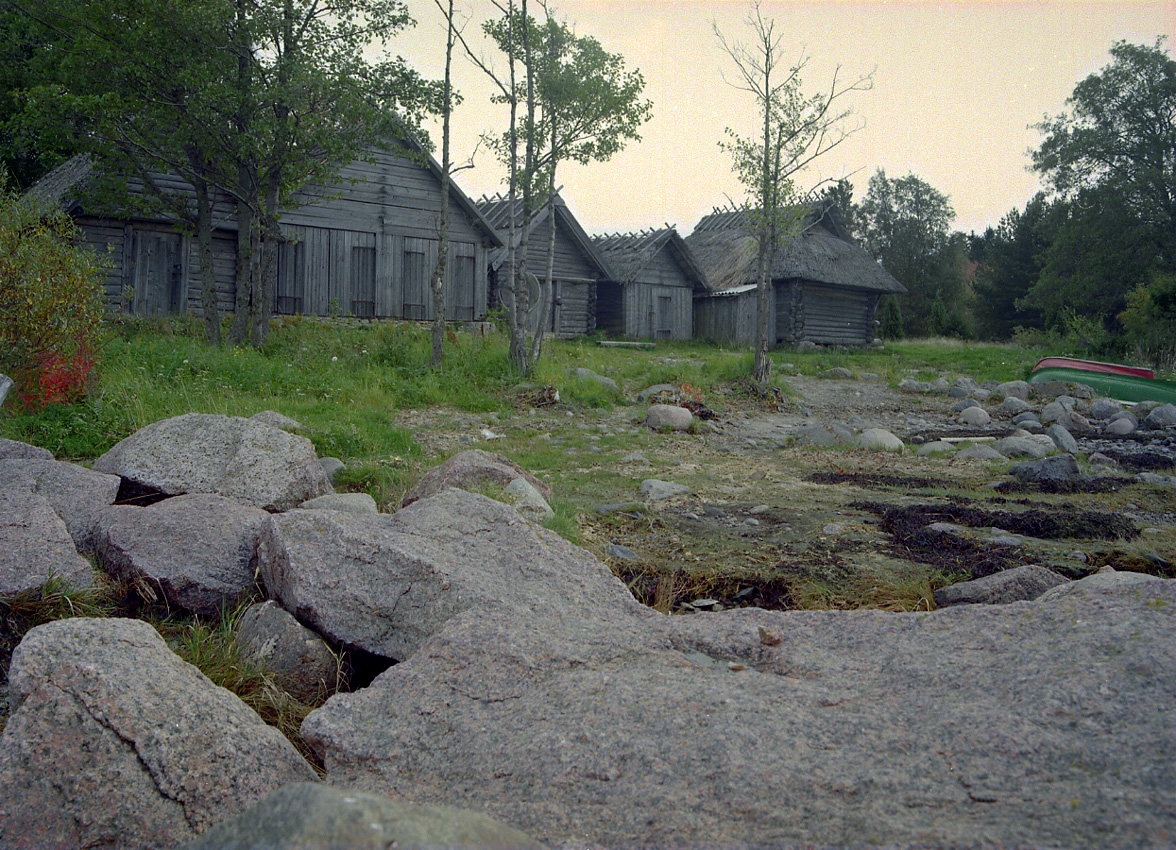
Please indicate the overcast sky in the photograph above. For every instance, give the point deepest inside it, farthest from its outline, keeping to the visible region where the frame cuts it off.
(957, 86)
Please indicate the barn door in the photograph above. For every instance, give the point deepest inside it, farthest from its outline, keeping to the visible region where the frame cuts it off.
(416, 280)
(157, 273)
(363, 282)
(460, 297)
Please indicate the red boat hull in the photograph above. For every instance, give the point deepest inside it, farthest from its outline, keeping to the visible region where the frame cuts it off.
(1093, 366)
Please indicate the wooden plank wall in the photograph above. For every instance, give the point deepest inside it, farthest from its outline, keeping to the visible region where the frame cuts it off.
(345, 252)
(837, 315)
(728, 320)
(659, 304)
(658, 312)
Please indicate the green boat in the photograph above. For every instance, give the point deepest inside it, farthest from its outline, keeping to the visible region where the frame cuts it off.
(1130, 388)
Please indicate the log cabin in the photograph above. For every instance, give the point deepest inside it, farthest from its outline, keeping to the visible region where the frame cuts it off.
(364, 245)
(655, 280)
(576, 269)
(825, 286)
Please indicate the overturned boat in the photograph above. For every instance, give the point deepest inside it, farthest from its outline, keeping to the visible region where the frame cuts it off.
(1114, 380)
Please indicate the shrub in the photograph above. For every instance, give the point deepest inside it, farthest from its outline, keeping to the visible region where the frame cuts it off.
(50, 305)
(890, 318)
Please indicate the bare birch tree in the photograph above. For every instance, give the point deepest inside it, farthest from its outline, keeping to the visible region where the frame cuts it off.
(794, 131)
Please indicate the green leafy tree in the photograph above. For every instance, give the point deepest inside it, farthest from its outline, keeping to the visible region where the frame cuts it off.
(1111, 160)
(840, 195)
(1011, 262)
(890, 317)
(1150, 319)
(794, 130)
(1119, 133)
(578, 103)
(1098, 252)
(904, 223)
(27, 52)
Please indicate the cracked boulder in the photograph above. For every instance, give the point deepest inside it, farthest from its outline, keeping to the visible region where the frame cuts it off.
(35, 546)
(198, 551)
(114, 741)
(386, 583)
(240, 459)
(78, 495)
(1036, 724)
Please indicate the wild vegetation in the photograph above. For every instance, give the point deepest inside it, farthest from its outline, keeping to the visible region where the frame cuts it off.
(367, 395)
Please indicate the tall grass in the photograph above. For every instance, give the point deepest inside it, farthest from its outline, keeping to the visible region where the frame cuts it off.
(345, 384)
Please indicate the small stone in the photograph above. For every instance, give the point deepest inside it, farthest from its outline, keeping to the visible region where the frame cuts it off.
(1062, 438)
(1105, 408)
(979, 451)
(1014, 389)
(623, 553)
(1011, 406)
(935, 447)
(976, 417)
(667, 417)
(332, 466)
(657, 490)
(879, 440)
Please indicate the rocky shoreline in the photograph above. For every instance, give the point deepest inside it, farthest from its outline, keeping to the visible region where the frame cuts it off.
(526, 686)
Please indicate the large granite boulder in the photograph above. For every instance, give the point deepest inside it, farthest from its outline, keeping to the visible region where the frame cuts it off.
(472, 468)
(240, 459)
(199, 551)
(313, 816)
(114, 741)
(387, 583)
(78, 495)
(1030, 725)
(35, 545)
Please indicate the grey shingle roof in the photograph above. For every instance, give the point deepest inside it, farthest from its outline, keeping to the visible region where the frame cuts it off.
(496, 211)
(629, 253)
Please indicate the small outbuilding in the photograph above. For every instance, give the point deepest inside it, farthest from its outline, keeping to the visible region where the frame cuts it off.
(655, 281)
(577, 266)
(826, 287)
(363, 246)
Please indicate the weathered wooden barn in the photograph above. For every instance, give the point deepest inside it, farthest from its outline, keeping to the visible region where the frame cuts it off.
(576, 269)
(826, 287)
(364, 246)
(652, 290)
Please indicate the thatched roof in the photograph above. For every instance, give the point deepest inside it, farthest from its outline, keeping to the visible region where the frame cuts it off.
(58, 190)
(822, 251)
(629, 253)
(496, 211)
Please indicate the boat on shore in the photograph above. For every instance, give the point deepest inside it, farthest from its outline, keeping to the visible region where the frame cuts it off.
(1125, 383)
(1093, 366)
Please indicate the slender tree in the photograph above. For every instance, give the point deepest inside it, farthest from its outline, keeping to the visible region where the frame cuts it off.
(569, 100)
(794, 130)
(437, 283)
